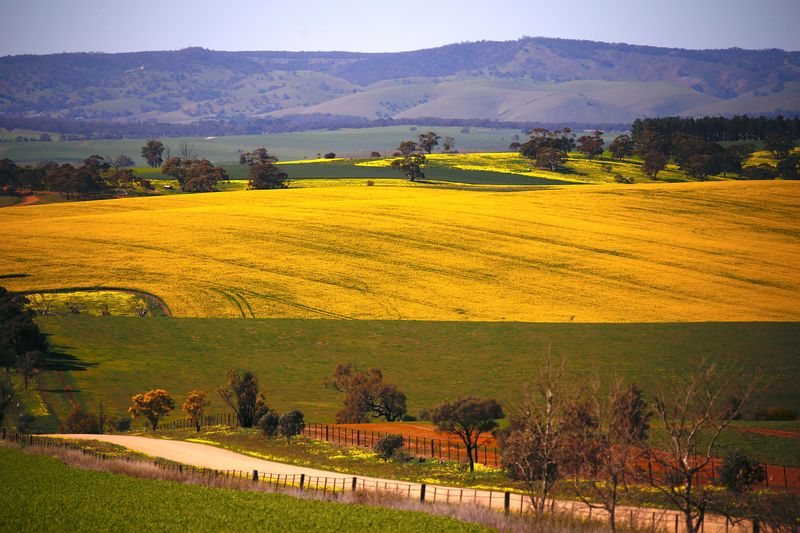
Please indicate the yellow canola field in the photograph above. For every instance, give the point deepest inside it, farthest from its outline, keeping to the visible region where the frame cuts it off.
(722, 251)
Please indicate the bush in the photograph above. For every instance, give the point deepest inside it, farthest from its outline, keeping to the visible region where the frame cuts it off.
(25, 422)
(388, 446)
(268, 423)
(760, 172)
(739, 472)
(122, 424)
(776, 414)
(291, 423)
(370, 183)
(329, 155)
(375, 154)
(424, 414)
(81, 421)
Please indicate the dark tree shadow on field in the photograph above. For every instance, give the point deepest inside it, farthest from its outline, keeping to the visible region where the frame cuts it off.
(14, 276)
(59, 359)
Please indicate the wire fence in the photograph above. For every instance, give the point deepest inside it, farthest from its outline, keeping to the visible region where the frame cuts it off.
(333, 486)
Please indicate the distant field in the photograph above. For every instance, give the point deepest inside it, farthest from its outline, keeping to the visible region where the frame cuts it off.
(287, 146)
(43, 494)
(115, 357)
(607, 253)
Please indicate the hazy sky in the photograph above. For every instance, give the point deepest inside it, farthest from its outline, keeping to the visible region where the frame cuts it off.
(47, 26)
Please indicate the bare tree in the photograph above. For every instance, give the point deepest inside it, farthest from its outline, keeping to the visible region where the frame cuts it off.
(186, 150)
(42, 303)
(695, 408)
(608, 435)
(533, 444)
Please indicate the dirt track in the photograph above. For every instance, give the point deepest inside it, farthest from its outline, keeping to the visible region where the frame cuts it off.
(206, 456)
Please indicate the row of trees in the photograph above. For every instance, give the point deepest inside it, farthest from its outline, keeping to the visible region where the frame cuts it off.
(737, 128)
(596, 438)
(97, 175)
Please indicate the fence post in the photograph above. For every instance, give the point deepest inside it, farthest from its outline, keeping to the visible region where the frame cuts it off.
(507, 503)
(255, 475)
(326, 432)
(302, 481)
(355, 483)
(756, 526)
(422, 492)
(358, 437)
(676, 523)
(433, 448)
(4, 438)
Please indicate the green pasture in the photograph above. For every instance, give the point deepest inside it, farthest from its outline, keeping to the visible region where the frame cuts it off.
(286, 146)
(43, 494)
(111, 358)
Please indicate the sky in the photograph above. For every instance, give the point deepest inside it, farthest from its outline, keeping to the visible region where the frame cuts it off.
(53, 26)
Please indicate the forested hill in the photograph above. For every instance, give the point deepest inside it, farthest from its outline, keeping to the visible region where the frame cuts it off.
(530, 79)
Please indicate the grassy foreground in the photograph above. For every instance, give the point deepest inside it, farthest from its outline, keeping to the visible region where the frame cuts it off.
(112, 358)
(46, 495)
(607, 253)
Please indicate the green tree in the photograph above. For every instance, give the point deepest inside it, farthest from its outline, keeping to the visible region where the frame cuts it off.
(153, 405)
(653, 163)
(410, 160)
(19, 332)
(467, 418)
(241, 393)
(428, 140)
(264, 172)
(81, 421)
(152, 153)
(448, 145)
(789, 167)
(268, 423)
(779, 144)
(7, 396)
(621, 147)
(367, 395)
(591, 145)
(739, 472)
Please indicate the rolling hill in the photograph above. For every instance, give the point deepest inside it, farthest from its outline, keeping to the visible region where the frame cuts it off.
(527, 80)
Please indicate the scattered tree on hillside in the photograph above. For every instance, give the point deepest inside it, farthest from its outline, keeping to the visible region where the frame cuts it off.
(448, 145)
(9, 175)
(291, 423)
(152, 153)
(653, 163)
(548, 149)
(428, 140)
(696, 156)
(194, 175)
(368, 395)
(647, 141)
(194, 407)
(591, 145)
(533, 444)
(694, 408)
(186, 150)
(733, 158)
(240, 392)
(122, 161)
(27, 363)
(467, 418)
(410, 160)
(264, 173)
(621, 147)
(152, 405)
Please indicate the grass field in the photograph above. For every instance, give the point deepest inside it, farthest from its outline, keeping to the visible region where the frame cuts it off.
(112, 358)
(608, 253)
(287, 146)
(43, 494)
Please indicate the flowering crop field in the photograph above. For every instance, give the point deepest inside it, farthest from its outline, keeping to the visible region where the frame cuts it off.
(720, 251)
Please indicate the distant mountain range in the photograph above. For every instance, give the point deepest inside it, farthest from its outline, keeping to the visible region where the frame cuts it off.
(527, 80)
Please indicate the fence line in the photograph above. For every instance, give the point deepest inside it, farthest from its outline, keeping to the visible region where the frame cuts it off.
(506, 501)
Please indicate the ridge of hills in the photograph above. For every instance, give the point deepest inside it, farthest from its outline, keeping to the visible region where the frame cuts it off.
(527, 80)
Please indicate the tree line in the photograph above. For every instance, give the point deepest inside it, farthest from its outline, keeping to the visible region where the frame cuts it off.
(719, 129)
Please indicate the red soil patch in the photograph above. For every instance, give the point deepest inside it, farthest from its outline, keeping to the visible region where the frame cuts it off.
(771, 432)
(416, 429)
(27, 200)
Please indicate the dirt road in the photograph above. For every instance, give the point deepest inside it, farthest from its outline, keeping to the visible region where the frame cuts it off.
(206, 456)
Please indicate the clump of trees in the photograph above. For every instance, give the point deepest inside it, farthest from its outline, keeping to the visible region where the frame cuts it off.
(22, 344)
(152, 405)
(591, 145)
(367, 395)
(152, 152)
(548, 149)
(194, 175)
(264, 172)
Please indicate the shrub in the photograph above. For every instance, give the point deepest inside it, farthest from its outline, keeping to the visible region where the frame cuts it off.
(291, 423)
(375, 154)
(776, 414)
(760, 172)
(388, 446)
(739, 472)
(81, 421)
(370, 183)
(329, 155)
(25, 422)
(268, 423)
